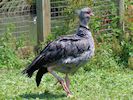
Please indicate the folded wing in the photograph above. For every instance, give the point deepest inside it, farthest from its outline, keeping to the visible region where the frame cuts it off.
(64, 47)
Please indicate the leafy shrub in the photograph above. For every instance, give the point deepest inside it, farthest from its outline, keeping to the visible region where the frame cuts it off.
(123, 41)
(127, 51)
(9, 46)
(127, 42)
(8, 57)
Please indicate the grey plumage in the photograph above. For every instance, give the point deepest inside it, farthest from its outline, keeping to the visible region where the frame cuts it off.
(67, 53)
(66, 50)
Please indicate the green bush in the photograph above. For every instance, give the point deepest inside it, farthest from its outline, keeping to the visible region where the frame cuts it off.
(8, 57)
(123, 41)
(9, 46)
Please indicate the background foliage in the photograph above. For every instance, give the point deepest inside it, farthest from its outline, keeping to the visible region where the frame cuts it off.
(12, 54)
(107, 75)
(119, 43)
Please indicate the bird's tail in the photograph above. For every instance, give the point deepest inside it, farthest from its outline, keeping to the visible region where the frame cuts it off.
(33, 66)
(40, 74)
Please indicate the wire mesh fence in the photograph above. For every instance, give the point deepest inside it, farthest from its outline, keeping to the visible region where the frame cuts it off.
(104, 10)
(21, 14)
(17, 13)
(57, 13)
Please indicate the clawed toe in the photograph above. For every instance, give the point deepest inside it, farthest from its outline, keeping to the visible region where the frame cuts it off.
(70, 95)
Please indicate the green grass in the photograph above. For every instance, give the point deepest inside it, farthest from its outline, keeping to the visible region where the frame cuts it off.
(96, 84)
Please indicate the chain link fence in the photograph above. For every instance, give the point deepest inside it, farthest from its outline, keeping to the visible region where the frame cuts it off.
(18, 14)
(58, 14)
(104, 10)
(22, 15)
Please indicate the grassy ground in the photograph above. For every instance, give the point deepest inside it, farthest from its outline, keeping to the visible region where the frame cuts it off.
(97, 84)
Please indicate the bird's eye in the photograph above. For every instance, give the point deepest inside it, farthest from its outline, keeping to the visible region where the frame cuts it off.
(88, 12)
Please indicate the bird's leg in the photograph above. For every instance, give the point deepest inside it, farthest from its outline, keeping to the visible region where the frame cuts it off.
(68, 83)
(60, 80)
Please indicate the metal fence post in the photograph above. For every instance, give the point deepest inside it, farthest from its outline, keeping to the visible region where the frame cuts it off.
(121, 13)
(43, 19)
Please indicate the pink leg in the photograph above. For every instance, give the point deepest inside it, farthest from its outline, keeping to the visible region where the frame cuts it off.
(60, 80)
(68, 84)
(65, 88)
(67, 81)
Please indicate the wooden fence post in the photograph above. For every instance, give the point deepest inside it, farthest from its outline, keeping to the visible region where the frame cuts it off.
(43, 19)
(121, 12)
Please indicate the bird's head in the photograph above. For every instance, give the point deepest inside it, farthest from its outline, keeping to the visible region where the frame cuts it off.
(84, 16)
(85, 13)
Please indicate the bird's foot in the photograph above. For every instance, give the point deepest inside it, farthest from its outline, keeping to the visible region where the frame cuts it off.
(70, 95)
(66, 89)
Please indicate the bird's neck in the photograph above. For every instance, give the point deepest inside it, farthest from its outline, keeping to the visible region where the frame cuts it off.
(83, 29)
(84, 22)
